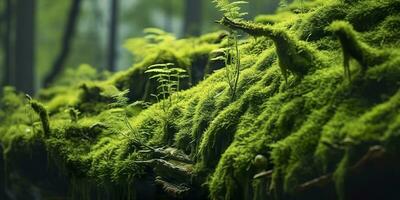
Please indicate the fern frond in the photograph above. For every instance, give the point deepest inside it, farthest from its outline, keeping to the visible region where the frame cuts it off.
(232, 9)
(161, 65)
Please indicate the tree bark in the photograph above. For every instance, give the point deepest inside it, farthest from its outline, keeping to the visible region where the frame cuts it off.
(113, 36)
(24, 46)
(69, 33)
(192, 18)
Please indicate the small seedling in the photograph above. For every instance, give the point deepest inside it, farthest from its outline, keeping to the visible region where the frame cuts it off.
(231, 54)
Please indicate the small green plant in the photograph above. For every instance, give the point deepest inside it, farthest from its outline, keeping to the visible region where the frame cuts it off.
(301, 7)
(231, 55)
(29, 111)
(168, 80)
(231, 58)
(73, 114)
(41, 111)
(230, 10)
(120, 99)
(134, 133)
(283, 3)
(150, 44)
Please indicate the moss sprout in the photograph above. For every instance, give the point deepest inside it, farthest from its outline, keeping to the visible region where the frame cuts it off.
(353, 48)
(293, 56)
(44, 117)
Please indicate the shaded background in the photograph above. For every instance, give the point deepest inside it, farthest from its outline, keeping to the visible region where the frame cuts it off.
(41, 38)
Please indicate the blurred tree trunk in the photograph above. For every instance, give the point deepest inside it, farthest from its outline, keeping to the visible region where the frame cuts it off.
(7, 44)
(168, 9)
(24, 46)
(112, 38)
(99, 59)
(2, 175)
(192, 17)
(69, 33)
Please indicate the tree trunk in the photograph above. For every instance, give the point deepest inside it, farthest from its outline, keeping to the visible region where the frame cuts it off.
(113, 33)
(193, 18)
(2, 175)
(24, 46)
(8, 51)
(168, 9)
(69, 33)
(98, 59)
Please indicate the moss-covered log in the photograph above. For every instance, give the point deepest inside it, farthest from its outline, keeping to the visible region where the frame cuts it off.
(317, 140)
(353, 48)
(293, 56)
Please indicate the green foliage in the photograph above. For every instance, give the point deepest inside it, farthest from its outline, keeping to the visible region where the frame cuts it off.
(231, 58)
(231, 54)
(322, 125)
(353, 48)
(169, 79)
(43, 115)
(191, 54)
(120, 99)
(231, 9)
(74, 114)
(283, 3)
(149, 44)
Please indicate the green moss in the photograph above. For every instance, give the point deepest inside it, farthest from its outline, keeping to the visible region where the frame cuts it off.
(367, 14)
(219, 136)
(280, 17)
(294, 56)
(385, 34)
(44, 117)
(352, 48)
(320, 125)
(313, 28)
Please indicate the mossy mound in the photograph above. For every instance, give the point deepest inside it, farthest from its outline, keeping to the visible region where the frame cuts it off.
(316, 115)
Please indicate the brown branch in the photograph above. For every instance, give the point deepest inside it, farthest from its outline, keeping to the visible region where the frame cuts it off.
(318, 182)
(168, 153)
(266, 174)
(171, 189)
(69, 33)
(169, 170)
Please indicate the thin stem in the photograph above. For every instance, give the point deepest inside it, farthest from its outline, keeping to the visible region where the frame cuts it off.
(237, 67)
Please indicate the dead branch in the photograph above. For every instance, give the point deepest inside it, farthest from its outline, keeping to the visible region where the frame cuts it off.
(168, 154)
(174, 190)
(168, 170)
(266, 174)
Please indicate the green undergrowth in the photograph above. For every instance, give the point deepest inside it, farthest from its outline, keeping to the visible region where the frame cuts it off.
(320, 122)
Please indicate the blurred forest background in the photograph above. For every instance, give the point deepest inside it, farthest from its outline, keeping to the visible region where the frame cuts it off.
(42, 38)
